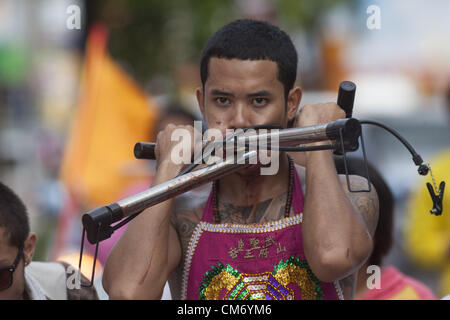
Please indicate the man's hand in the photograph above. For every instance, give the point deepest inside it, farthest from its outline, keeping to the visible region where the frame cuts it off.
(313, 114)
(167, 140)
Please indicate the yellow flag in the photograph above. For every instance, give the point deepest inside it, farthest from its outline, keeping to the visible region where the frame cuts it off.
(112, 115)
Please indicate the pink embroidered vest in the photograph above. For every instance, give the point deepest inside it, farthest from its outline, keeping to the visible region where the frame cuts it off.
(255, 261)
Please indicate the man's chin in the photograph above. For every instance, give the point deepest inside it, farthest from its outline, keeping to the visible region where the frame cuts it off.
(251, 170)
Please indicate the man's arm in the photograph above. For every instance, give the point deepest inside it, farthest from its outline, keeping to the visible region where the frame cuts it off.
(147, 252)
(149, 249)
(368, 207)
(335, 235)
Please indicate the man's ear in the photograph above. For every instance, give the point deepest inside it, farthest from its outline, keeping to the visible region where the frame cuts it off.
(200, 100)
(29, 246)
(293, 102)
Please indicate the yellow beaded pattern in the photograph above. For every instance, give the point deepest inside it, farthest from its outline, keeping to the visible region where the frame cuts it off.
(246, 286)
(267, 285)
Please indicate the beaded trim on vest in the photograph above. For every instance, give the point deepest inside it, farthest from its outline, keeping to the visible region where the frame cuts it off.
(237, 228)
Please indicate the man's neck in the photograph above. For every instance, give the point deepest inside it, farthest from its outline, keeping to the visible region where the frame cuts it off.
(249, 189)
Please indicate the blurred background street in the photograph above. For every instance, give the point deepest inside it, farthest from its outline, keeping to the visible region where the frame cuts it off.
(81, 81)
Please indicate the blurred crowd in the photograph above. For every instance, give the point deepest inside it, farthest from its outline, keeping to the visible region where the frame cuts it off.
(74, 98)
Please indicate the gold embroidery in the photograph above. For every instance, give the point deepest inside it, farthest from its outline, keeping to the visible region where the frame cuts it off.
(259, 286)
(263, 253)
(249, 254)
(299, 276)
(233, 252)
(280, 249)
(269, 242)
(223, 280)
(254, 244)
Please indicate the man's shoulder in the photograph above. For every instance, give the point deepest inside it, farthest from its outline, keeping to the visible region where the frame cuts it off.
(357, 183)
(188, 207)
(193, 199)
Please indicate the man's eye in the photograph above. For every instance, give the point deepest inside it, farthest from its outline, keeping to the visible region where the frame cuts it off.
(222, 100)
(259, 101)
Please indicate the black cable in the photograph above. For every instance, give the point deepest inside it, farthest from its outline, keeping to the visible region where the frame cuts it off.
(125, 221)
(418, 161)
(413, 152)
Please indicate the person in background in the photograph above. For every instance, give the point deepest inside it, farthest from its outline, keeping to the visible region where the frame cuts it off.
(22, 279)
(174, 114)
(394, 285)
(426, 236)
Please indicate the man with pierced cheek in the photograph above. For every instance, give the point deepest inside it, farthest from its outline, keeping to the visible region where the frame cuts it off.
(249, 235)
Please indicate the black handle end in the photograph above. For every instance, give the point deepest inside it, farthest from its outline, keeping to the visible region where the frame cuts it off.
(346, 97)
(98, 222)
(345, 100)
(145, 150)
(350, 130)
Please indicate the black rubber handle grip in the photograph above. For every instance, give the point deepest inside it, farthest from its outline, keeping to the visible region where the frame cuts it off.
(98, 222)
(346, 97)
(145, 150)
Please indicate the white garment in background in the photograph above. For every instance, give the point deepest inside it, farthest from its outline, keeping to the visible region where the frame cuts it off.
(46, 280)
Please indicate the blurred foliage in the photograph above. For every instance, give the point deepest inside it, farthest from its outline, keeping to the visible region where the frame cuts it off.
(150, 37)
(13, 64)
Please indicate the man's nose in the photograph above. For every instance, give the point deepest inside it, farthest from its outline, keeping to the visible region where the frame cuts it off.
(240, 117)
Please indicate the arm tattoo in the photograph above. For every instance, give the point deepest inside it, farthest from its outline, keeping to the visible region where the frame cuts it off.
(365, 202)
(185, 226)
(184, 219)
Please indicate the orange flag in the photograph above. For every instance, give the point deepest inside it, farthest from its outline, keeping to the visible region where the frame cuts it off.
(113, 114)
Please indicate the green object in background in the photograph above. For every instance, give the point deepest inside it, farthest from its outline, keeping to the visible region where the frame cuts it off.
(13, 65)
(45, 231)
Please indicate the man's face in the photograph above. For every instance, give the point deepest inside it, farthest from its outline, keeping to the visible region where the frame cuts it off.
(7, 255)
(244, 93)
